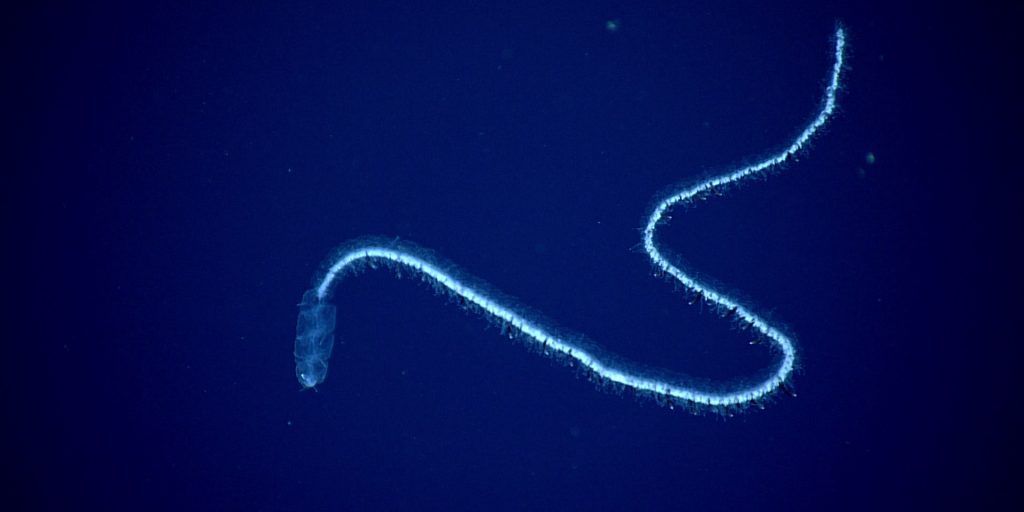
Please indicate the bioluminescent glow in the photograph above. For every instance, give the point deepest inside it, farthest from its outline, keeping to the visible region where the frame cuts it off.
(314, 336)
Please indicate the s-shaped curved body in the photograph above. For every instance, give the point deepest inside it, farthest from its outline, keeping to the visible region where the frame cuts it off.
(406, 256)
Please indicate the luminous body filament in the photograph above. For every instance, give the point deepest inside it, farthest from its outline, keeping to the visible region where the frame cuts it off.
(314, 337)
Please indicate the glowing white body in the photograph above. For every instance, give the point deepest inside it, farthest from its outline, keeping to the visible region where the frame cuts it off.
(537, 333)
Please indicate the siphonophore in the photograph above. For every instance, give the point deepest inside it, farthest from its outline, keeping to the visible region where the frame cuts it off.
(314, 336)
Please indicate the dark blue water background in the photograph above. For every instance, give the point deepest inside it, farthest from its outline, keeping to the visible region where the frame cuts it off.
(180, 172)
